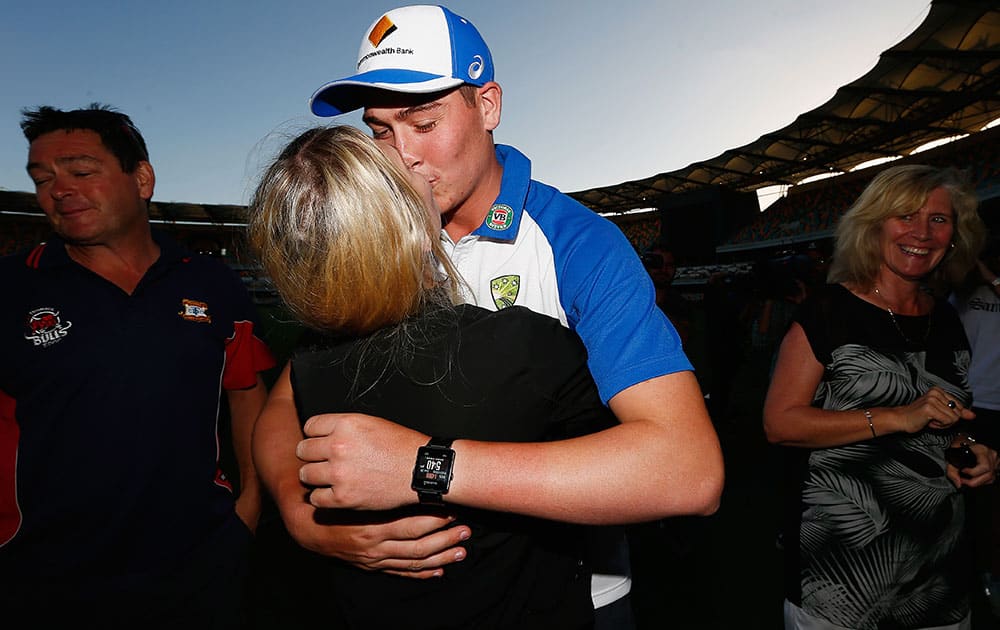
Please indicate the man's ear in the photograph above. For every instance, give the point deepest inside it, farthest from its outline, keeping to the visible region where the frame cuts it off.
(490, 103)
(145, 179)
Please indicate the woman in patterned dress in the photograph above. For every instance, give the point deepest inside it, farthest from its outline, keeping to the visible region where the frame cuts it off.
(870, 390)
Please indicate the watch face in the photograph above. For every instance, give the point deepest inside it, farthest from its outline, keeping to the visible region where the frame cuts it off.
(433, 469)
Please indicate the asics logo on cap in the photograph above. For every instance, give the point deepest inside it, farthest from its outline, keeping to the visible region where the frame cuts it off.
(476, 68)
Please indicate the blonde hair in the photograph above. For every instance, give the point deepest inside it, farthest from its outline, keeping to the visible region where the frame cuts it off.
(895, 192)
(345, 238)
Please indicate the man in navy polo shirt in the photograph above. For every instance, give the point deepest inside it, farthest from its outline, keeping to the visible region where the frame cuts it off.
(116, 342)
(425, 78)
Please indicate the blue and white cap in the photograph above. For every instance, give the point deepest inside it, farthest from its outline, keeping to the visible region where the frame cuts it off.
(416, 50)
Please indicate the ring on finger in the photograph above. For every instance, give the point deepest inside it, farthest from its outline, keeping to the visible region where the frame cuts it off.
(951, 404)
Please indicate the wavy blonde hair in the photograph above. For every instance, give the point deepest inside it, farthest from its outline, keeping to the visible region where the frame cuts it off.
(345, 238)
(899, 191)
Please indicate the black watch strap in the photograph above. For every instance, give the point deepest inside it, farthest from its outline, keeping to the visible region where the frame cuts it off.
(433, 469)
(441, 442)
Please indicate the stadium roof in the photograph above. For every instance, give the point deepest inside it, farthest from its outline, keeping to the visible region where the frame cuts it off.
(940, 81)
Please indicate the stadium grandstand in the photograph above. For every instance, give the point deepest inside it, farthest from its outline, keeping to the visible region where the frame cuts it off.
(939, 86)
(933, 98)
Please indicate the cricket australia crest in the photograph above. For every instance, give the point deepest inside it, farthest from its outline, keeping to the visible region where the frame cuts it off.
(504, 290)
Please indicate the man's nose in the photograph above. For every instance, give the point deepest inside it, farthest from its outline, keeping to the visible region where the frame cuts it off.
(407, 146)
(60, 188)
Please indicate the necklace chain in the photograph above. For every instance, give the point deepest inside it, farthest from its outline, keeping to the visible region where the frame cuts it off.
(895, 323)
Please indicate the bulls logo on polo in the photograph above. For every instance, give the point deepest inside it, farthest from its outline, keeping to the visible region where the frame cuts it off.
(45, 327)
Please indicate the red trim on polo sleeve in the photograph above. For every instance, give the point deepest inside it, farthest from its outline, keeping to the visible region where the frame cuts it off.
(10, 433)
(35, 256)
(246, 355)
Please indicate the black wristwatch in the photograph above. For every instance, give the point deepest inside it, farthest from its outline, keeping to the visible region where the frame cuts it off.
(432, 472)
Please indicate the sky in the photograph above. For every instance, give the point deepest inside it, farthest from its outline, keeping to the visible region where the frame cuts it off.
(594, 92)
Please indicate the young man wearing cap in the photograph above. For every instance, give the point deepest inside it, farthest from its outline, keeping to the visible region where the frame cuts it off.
(425, 79)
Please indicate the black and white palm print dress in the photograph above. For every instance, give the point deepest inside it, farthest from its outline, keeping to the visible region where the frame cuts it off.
(876, 525)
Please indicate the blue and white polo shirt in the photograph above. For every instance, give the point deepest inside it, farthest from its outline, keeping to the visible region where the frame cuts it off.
(541, 249)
